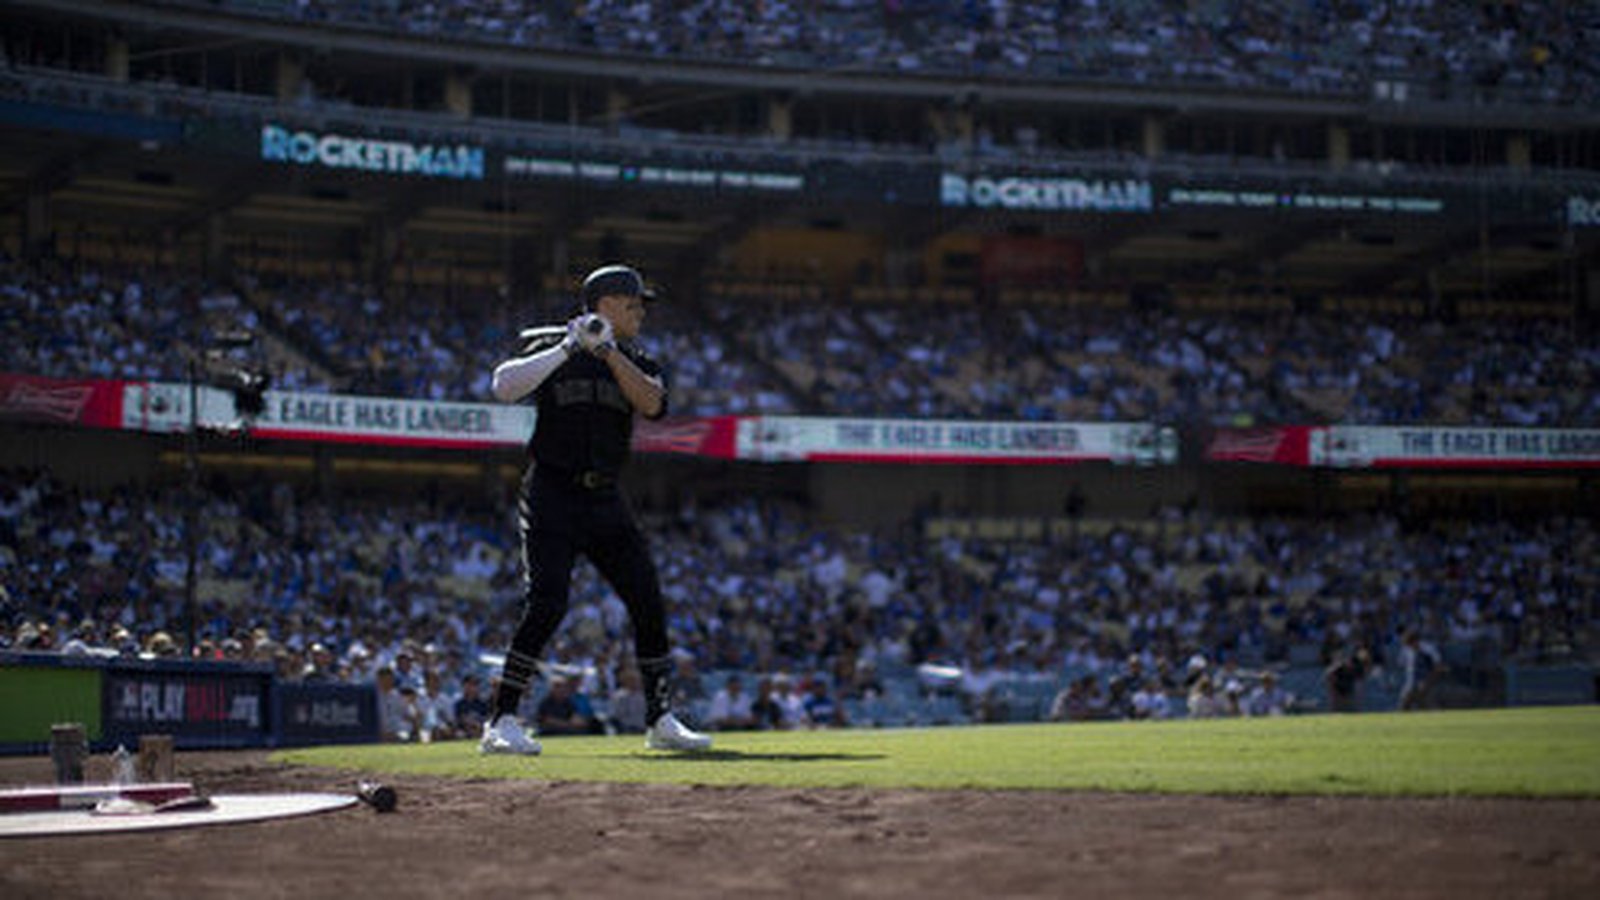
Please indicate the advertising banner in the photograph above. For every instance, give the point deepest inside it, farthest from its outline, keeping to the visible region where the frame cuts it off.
(164, 408)
(1284, 445)
(1583, 212)
(619, 174)
(1361, 446)
(1297, 200)
(1047, 193)
(794, 438)
(712, 437)
(326, 714)
(1027, 260)
(289, 415)
(351, 419)
(1557, 685)
(1456, 447)
(38, 690)
(381, 420)
(25, 398)
(341, 418)
(212, 705)
(1105, 191)
(368, 154)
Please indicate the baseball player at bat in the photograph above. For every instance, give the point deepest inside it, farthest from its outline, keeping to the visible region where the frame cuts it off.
(588, 382)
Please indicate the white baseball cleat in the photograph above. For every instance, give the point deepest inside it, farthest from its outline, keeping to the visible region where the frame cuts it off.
(505, 735)
(670, 734)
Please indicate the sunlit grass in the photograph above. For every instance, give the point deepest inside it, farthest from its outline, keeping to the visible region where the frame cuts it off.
(1508, 752)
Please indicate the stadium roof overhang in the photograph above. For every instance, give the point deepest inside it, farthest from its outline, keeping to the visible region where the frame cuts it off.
(94, 185)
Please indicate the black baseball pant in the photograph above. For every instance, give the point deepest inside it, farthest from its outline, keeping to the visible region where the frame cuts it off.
(562, 514)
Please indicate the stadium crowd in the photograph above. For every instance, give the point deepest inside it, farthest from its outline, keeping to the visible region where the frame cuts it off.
(1542, 49)
(341, 589)
(1053, 363)
(90, 323)
(844, 358)
(127, 323)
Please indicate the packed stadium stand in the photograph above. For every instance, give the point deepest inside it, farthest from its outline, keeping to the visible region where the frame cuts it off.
(1280, 233)
(1542, 49)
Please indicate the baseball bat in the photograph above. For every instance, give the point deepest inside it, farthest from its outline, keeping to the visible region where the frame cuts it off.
(380, 797)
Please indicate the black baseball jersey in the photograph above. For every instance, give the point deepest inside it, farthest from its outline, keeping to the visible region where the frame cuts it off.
(585, 423)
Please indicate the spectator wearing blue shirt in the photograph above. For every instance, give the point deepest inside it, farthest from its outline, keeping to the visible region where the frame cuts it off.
(821, 709)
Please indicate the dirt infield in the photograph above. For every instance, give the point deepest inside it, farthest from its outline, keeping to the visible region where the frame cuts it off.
(542, 839)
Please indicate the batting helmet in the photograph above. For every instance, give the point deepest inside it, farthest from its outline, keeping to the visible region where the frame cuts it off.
(615, 279)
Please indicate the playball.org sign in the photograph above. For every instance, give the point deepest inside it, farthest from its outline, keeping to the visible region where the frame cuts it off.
(1583, 212)
(339, 151)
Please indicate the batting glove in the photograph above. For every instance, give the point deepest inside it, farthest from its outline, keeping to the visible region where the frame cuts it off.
(594, 334)
(572, 342)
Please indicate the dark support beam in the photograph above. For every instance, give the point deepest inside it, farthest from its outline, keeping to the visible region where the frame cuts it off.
(555, 254)
(688, 288)
(1274, 246)
(922, 229)
(1379, 277)
(54, 174)
(218, 203)
(1100, 240)
(31, 198)
(911, 241)
(1574, 262)
(692, 260)
(208, 216)
(525, 267)
(377, 236)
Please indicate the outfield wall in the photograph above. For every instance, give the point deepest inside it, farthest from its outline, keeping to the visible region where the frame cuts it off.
(216, 705)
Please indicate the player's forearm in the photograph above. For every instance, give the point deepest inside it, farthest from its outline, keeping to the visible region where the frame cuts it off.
(647, 395)
(518, 377)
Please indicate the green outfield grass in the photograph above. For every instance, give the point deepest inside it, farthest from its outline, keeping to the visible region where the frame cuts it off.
(1507, 752)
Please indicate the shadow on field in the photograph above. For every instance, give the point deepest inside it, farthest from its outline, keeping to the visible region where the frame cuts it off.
(738, 756)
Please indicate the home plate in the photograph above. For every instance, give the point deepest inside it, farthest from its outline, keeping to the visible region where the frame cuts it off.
(54, 798)
(124, 814)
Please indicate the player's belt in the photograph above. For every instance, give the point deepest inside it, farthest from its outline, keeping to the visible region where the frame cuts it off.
(594, 481)
(587, 479)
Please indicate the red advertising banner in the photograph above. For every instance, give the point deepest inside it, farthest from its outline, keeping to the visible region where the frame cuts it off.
(28, 398)
(1018, 260)
(1287, 445)
(713, 437)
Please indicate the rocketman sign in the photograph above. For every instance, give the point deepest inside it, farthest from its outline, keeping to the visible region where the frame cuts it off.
(1583, 212)
(337, 151)
(1048, 194)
